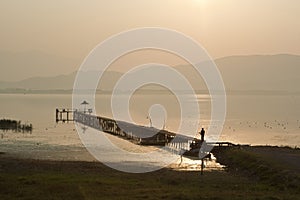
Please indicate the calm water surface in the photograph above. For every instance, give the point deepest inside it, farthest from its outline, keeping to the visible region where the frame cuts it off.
(251, 119)
(255, 119)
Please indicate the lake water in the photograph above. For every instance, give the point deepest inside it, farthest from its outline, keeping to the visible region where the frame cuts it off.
(251, 119)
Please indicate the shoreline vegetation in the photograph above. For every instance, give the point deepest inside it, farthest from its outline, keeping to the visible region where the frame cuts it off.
(273, 165)
(14, 125)
(253, 172)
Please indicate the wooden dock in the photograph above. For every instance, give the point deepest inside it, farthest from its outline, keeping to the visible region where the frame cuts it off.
(135, 133)
(64, 115)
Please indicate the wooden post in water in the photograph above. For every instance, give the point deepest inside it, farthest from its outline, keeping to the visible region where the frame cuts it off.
(57, 111)
(202, 166)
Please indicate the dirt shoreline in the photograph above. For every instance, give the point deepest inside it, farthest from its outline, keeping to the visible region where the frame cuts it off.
(24, 178)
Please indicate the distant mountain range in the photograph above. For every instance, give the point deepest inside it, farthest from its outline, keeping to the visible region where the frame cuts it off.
(61, 82)
(257, 72)
(240, 73)
(18, 65)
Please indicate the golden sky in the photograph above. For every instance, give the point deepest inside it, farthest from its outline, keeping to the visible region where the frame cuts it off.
(71, 28)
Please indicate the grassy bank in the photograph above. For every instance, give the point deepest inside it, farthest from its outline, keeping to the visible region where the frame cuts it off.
(35, 179)
(275, 166)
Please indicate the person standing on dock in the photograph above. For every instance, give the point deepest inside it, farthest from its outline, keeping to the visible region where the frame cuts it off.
(202, 133)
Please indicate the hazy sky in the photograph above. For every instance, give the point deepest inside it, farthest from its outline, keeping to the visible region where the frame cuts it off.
(71, 28)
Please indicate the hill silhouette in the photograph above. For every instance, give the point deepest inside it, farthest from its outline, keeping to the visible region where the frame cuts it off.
(241, 73)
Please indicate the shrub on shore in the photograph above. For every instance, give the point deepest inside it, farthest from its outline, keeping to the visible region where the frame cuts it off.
(14, 125)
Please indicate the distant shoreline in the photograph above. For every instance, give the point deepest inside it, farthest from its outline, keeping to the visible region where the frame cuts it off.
(149, 92)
